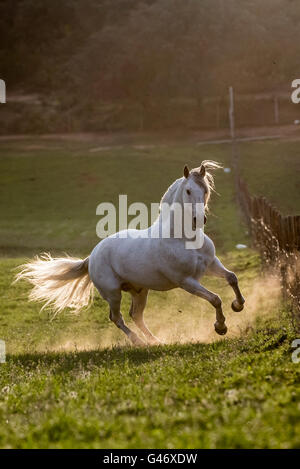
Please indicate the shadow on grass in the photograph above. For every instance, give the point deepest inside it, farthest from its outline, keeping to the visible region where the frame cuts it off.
(67, 361)
(263, 340)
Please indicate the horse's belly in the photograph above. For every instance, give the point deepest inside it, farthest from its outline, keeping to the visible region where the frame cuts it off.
(138, 262)
(159, 285)
(146, 278)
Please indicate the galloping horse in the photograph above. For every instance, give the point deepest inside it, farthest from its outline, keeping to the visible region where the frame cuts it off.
(138, 261)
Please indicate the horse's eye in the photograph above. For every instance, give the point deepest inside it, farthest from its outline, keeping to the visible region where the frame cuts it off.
(188, 192)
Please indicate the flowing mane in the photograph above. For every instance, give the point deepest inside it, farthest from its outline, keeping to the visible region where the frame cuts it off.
(207, 180)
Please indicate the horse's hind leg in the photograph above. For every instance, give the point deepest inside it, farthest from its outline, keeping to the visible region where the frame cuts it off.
(113, 297)
(218, 269)
(138, 304)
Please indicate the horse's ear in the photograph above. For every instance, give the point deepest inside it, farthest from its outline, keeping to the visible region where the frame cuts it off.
(202, 170)
(186, 171)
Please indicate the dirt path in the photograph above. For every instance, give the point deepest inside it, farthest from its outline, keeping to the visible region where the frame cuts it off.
(142, 140)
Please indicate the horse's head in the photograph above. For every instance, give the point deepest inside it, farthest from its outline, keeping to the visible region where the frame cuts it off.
(197, 186)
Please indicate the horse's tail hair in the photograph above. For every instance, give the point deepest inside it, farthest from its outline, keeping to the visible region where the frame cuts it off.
(59, 282)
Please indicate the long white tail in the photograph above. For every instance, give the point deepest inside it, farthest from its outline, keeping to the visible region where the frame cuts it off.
(60, 282)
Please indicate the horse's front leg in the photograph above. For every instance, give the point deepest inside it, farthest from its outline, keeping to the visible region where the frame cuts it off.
(193, 286)
(218, 269)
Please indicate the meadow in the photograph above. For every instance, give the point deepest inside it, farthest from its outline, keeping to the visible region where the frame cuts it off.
(74, 381)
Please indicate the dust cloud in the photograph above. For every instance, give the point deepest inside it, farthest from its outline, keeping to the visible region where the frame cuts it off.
(193, 324)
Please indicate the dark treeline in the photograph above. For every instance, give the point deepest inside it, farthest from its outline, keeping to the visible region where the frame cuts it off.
(88, 53)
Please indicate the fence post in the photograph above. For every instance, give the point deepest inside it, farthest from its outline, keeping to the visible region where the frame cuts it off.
(234, 152)
(218, 112)
(276, 110)
(231, 113)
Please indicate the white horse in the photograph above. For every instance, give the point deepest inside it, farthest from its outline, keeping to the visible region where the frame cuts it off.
(137, 263)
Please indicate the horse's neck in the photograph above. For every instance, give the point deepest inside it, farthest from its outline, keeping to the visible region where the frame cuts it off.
(172, 193)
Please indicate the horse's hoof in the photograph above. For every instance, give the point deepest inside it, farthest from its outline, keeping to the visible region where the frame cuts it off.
(237, 307)
(136, 341)
(155, 341)
(221, 330)
(139, 343)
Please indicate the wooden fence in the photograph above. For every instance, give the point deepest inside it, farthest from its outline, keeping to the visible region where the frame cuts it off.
(278, 239)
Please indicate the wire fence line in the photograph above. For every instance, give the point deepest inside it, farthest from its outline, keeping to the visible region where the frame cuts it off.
(278, 239)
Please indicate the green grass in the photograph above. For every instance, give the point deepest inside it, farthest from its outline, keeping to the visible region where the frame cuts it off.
(74, 381)
(49, 194)
(272, 169)
(238, 394)
(48, 197)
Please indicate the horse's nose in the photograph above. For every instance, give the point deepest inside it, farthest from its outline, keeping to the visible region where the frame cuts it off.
(195, 222)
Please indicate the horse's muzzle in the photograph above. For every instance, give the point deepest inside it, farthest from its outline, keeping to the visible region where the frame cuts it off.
(195, 222)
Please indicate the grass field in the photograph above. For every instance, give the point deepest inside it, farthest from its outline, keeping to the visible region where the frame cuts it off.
(272, 169)
(74, 381)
